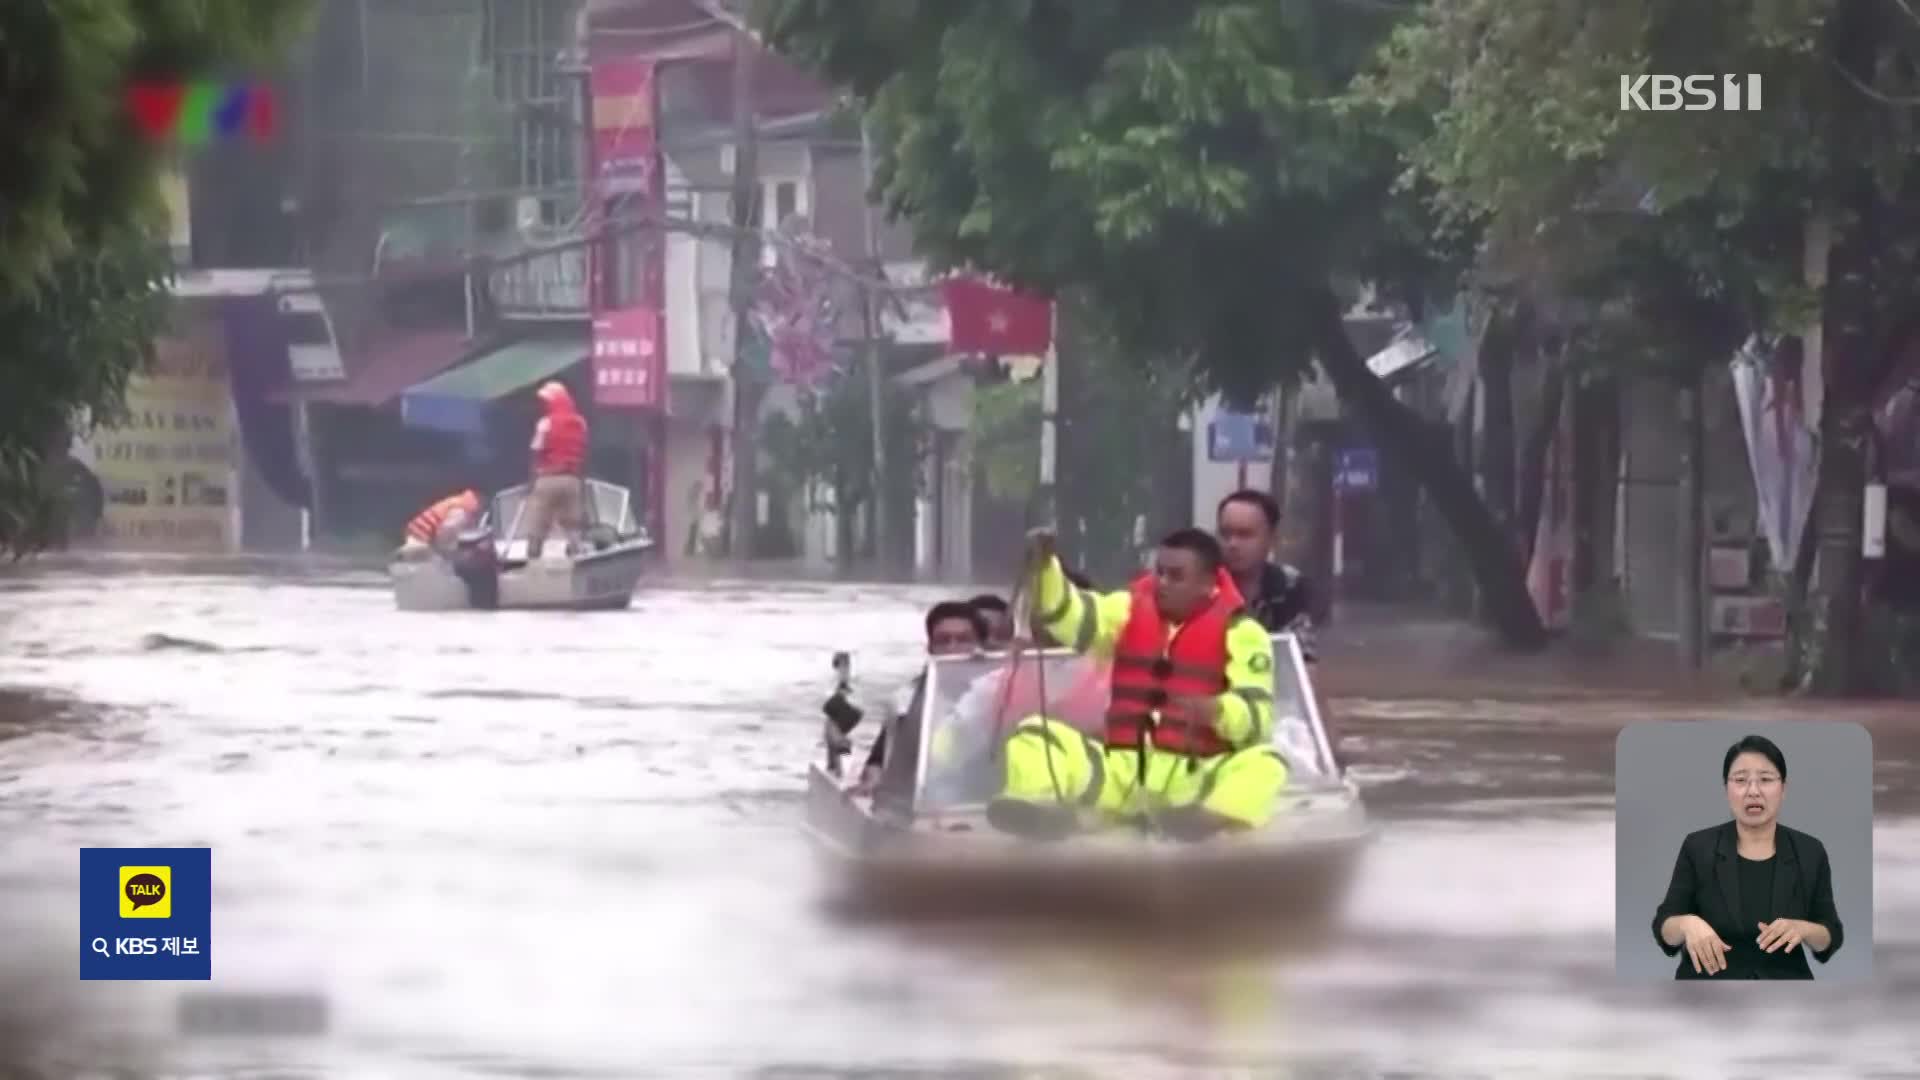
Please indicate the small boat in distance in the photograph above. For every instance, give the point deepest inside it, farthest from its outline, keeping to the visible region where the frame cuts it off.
(922, 846)
(598, 572)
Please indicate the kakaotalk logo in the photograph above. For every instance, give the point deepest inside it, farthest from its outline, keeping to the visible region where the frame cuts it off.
(1691, 93)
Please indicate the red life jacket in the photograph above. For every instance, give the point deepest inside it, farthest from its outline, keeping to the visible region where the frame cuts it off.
(1151, 671)
(564, 451)
(426, 524)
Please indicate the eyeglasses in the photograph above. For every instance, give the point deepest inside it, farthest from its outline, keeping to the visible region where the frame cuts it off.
(1762, 781)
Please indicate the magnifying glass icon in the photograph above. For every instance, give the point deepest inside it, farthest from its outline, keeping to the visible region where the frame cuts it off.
(100, 946)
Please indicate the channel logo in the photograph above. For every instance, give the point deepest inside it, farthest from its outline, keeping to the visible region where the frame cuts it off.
(146, 892)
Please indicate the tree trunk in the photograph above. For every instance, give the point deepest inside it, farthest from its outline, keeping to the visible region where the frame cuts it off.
(1604, 492)
(1596, 457)
(1692, 538)
(1849, 335)
(1800, 622)
(1497, 351)
(1279, 468)
(1405, 441)
(1840, 668)
(1533, 463)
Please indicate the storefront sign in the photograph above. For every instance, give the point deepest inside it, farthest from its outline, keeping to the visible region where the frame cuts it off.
(1356, 470)
(625, 159)
(628, 364)
(1237, 436)
(167, 472)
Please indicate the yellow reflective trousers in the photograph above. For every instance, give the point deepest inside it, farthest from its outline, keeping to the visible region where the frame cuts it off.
(1050, 763)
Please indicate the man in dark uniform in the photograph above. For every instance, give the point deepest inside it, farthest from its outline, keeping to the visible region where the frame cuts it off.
(1278, 595)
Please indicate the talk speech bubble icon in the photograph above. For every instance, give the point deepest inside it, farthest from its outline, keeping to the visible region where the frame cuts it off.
(144, 890)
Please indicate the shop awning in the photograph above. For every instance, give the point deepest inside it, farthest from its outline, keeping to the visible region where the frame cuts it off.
(455, 401)
(389, 367)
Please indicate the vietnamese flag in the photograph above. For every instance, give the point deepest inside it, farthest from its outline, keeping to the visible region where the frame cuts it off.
(983, 318)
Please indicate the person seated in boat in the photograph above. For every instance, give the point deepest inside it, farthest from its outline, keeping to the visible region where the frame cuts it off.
(1187, 740)
(438, 527)
(999, 619)
(1016, 690)
(994, 701)
(557, 493)
(967, 736)
(1278, 595)
(954, 628)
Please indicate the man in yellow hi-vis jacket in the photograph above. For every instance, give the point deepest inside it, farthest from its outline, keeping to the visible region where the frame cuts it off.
(1187, 746)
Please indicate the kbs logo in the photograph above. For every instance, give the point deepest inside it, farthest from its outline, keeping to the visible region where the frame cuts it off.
(1692, 93)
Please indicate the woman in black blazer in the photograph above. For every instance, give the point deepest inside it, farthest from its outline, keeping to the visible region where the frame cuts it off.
(1750, 898)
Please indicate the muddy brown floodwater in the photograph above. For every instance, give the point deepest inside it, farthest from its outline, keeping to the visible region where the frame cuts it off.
(549, 845)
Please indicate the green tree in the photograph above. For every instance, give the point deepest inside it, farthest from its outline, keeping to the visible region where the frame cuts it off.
(83, 275)
(1006, 436)
(830, 443)
(1198, 166)
(1527, 130)
(1119, 413)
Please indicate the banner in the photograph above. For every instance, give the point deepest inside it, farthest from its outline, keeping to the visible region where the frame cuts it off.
(1771, 386)
(629, 368)
(985, 318)
(167, 472)
(625, 158)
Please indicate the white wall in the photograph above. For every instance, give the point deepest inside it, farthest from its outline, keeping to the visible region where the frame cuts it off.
(819, 530)
(706, 288)
(947, 404)
(684, 355)
(715, 320)
(1214, 481)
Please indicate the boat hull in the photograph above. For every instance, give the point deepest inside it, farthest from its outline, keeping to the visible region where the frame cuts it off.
(598, 581)
(1297, 872)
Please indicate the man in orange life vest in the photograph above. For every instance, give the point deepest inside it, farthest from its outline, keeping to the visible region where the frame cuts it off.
(438, 525)
(1187, 746)
(558, 492)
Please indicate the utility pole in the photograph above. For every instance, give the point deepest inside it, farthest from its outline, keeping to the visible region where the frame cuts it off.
(1049, 422)
(876, 389)
(747, 390)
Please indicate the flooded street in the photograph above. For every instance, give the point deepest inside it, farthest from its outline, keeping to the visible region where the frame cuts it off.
(554, 845)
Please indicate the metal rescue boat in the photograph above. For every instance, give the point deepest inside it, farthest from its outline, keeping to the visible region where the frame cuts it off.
(599, 573)
(922, 845)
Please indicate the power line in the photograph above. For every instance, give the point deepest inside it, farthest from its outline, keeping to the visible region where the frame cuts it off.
(803, 247)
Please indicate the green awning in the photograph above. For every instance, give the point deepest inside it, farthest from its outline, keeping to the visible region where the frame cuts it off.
(455, 400)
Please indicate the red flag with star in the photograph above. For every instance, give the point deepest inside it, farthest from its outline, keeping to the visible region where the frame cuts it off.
(984, 318)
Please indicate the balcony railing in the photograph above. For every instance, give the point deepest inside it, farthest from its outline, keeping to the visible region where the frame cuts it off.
(551, 285)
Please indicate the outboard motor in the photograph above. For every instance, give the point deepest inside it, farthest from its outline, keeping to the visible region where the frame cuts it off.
(477, 565)
(841, 713)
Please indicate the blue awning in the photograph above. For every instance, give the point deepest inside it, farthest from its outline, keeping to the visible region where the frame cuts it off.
(456, 401)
